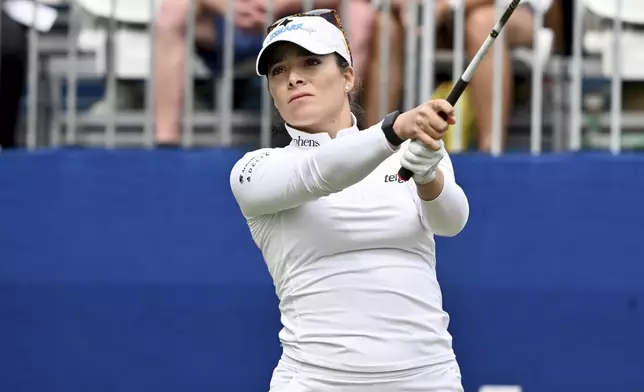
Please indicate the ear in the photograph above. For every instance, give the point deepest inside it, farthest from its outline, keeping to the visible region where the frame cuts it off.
(349, 78)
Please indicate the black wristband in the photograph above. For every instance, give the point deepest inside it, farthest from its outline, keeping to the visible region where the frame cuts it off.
(388, 129)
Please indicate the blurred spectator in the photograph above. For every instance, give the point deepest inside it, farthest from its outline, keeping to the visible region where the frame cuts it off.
(13, 68)
(250, 18)
(480, 17)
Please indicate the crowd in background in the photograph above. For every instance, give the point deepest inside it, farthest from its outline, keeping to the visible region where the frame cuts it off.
(364, 20)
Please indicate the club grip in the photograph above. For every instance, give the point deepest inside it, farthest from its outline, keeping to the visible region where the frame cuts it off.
(405, 174)
(452, 98)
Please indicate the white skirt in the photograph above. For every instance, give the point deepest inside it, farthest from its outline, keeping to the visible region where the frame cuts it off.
(293, 376)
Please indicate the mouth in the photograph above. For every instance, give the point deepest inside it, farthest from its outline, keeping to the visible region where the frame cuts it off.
(299, 96)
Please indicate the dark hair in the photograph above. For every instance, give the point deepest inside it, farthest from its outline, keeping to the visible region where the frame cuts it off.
(353, 95)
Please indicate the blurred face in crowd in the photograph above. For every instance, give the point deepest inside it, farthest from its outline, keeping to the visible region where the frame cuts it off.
(308, 90)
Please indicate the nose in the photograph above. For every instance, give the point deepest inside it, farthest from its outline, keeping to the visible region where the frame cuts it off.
(295, 79)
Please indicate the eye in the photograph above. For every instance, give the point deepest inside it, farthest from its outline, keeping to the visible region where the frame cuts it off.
(277, 70)
(311, 61)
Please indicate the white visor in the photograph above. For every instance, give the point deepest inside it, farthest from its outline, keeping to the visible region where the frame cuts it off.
(313, 33)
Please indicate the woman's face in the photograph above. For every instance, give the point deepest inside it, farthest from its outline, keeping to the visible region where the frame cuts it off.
(308, 90)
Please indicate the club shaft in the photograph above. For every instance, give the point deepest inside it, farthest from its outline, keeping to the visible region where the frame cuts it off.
(466, 77)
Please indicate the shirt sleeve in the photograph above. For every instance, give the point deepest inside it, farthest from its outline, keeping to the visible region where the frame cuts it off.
(447, 214)
(267, 181)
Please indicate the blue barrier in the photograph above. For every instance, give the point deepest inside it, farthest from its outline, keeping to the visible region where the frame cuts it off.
(134, 271)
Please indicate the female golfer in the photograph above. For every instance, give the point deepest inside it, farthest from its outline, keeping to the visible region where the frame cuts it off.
(349, 246)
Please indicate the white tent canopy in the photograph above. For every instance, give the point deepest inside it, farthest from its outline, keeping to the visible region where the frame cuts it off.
(632, 10)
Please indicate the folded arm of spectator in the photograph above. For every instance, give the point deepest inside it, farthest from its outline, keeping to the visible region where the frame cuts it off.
(288, 7)
(470, 4)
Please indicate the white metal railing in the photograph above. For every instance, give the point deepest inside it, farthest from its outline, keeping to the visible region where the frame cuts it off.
(111, 41)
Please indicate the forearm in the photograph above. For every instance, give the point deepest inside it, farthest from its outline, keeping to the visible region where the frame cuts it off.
(444, 205)
(345, 161)
(170, 51)
(470, 4)
(273, 181)
(431, 190)
(288, 7)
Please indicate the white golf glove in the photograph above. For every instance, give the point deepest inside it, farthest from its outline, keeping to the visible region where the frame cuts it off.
(422, 161)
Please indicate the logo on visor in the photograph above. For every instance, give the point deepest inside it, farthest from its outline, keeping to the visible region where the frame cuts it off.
(283, 29)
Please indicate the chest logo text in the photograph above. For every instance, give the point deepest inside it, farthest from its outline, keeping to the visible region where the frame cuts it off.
(393, 178)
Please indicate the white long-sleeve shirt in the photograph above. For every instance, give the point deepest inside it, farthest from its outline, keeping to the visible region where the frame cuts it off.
(350, 249)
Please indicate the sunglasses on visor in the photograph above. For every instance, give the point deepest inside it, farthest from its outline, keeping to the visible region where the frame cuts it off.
(329, 15)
